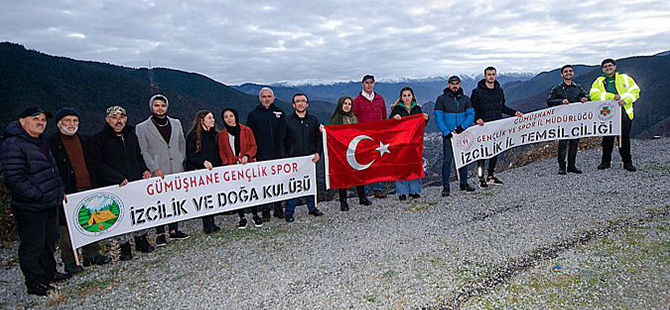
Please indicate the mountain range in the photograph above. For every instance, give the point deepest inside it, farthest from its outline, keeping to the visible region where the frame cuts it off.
(31, 78)
(652, 111)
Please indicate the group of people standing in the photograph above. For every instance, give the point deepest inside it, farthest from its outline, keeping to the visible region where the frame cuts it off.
(40, 172)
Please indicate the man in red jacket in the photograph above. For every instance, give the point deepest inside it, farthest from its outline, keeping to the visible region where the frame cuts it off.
(369, 107)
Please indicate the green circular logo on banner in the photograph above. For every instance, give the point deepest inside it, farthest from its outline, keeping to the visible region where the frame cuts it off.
(606, 111)
(98, 213)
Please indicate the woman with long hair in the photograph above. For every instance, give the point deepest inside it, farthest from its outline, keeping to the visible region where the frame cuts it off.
(406, 105)
(202, 152)
(343, 114)
(237, 145)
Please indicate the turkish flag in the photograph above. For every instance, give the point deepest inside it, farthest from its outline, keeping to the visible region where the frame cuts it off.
(389, 150)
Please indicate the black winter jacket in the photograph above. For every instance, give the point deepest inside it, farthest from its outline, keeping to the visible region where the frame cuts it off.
(300, 136)
(65, 168)
(64, 164)
(402, 111)
(115, 158)
(209, 151)
(573, 92)
(489, 104)
(265, 123)
(29, 171)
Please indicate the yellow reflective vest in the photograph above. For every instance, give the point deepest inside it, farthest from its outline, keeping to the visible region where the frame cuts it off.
(625, 86)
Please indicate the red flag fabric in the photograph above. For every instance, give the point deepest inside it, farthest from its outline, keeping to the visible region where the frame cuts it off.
(389, 150)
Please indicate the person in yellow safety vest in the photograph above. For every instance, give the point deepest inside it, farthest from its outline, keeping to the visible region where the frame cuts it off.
(613, 85)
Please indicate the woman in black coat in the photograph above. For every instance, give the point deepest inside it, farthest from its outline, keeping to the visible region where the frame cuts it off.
(202, 151)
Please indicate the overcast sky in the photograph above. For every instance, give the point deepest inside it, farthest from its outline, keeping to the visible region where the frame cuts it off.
(267, 41)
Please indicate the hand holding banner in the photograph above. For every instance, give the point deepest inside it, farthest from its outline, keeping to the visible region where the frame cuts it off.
(112, 211)
(577, 120)
(389, 150)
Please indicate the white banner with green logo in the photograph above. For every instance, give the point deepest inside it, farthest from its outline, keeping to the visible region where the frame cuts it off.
(111, 211)
(576, 120)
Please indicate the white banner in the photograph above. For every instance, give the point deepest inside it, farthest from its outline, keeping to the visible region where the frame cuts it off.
(576, 120)
(111, 211)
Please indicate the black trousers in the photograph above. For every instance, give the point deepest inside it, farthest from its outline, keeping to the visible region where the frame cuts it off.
(360, 192)
(38, 234)
(253, 210)
(572, 152)
(171, 227)
(624, 150)
(273, 206)
(492, 166)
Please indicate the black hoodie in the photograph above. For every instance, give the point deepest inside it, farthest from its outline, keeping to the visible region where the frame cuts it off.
(489, 104)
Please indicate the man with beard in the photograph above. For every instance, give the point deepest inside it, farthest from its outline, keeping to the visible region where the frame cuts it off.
(70, 150)
(564, 93)
(613, 85)
(116, 159)
(300, 136)
(31, 174)
(453, 114)
(264, 122)
(163, 148)
(488, 100)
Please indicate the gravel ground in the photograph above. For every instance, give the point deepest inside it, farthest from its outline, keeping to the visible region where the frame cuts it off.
(624, 270)
(392, 255)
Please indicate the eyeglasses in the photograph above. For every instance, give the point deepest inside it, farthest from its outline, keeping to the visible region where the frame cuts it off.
(608, 66)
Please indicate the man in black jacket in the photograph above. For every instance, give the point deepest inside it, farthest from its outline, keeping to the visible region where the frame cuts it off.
(70, 150)
(116, 159)
(264, 122)
(300, 136)
(31, 174)
(565, 93)
(488, 99)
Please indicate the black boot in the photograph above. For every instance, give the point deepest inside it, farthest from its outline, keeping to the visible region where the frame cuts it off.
(143, 245)
(561, 169)
(126, 254)
(344, 206)
(266, 214)
(279, 211)
(364, 201)
(206, 228)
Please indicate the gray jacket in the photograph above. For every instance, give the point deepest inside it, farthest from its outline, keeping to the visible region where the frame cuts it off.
(158, 154)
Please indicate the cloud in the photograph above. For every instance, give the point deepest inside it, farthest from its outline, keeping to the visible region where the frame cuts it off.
(259, 41)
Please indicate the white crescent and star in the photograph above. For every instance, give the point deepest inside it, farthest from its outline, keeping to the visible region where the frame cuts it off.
(351, 152)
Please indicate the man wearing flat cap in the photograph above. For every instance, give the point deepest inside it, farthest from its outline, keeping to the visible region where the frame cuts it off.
(116, 159)
(31, 174)
(369, 107)
(71, 152)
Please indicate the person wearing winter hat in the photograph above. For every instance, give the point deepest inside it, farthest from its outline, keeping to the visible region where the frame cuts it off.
(71, 151)
(163, 148)
(30, 172)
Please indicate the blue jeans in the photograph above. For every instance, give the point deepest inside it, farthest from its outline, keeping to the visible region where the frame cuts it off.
(290, 205)
(408, 187)
(446, 165)
(375, 186)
